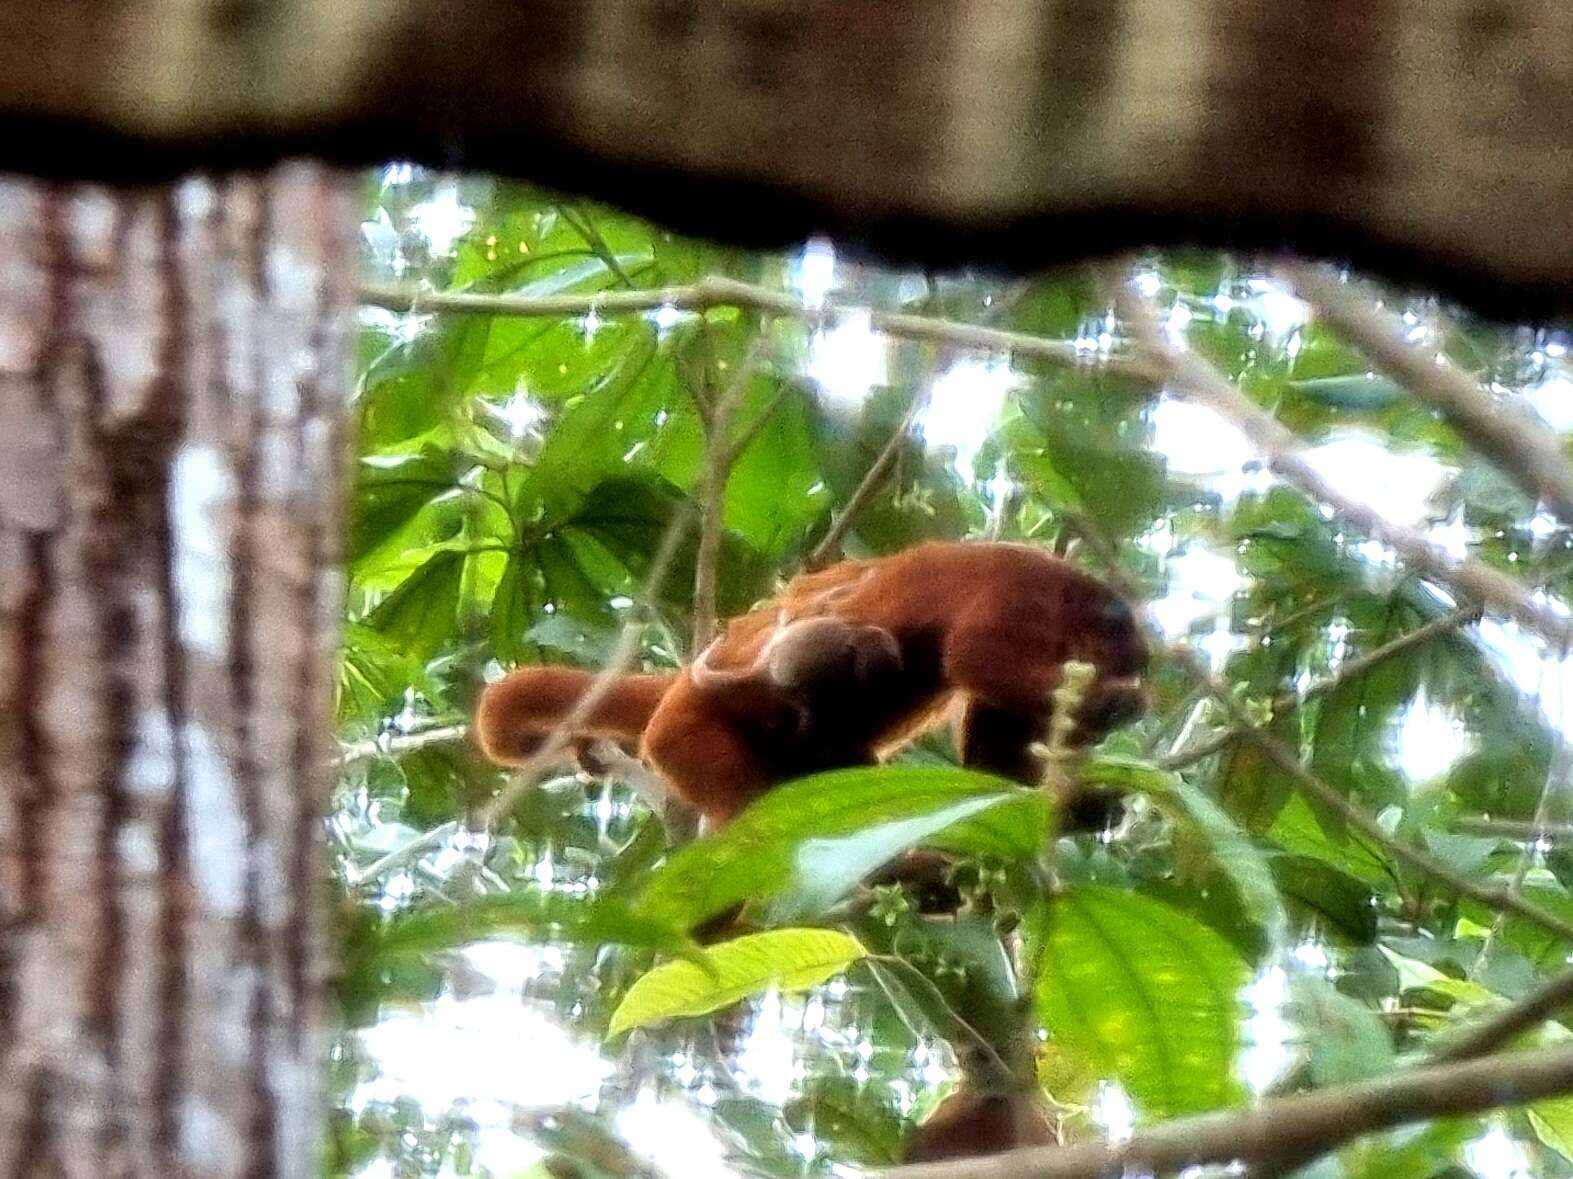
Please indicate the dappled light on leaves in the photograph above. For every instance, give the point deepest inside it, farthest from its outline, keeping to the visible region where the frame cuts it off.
(1339, 837)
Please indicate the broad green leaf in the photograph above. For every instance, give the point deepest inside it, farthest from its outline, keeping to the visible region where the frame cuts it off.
(848, 1118)
(809, 841)
(1236, 856)
(1344, 1039)
(1149, 994)
(1297, 830)
(390, 492)
(373, 675)
(1339, 901)
(1552, 1122)
(787, 959)
(419, 615)
(1254, 790)
(945, 967)
(509, 615)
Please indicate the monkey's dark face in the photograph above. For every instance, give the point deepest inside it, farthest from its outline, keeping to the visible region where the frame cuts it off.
(1119, 648)
(1112, 641)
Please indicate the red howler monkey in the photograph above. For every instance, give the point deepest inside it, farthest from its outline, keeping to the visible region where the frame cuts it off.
(848, 663)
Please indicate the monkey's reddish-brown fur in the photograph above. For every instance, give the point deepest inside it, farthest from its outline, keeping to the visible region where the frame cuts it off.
(992, 624)
(967, 1124)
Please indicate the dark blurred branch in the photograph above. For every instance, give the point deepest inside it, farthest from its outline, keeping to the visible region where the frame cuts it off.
(1303, 1126)
(1496, 1030)
(1531, 456)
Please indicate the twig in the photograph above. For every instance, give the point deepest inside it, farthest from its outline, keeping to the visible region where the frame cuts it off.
(829, 547)
(746, 436)
(1188, 757)
(1526, 830)
(714, 292)
(1487, 1036)
(399, 856)
(585, 228)
(719, 456)
(1190, 376)
(1284, 759)
(1348, 671)
(1360, 664)
(1306, 1125)
(622, 655)
(387, 745)
(980, 1044)
(1531, 456)
(1530, 1011)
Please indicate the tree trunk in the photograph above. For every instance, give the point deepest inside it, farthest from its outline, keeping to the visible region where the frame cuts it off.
(173, 372)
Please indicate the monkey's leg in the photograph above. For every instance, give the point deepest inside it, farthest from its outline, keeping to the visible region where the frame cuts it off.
(1009, 708)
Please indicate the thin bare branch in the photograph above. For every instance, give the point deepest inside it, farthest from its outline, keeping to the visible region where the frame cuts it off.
(1529, 1012)
(400, 856)
(388, 745)
(1201, 751)
(550, 750)
(724, 292)
(1304, 1125)
(1347, 672)
(1523, 830)
(1355, 668)
(1282, 757)
(1486, 1037)
(719, 456)
(829, 547)
(1528, 454)
(1190, 376)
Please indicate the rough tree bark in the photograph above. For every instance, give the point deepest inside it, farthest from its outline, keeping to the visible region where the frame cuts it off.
(174, 363)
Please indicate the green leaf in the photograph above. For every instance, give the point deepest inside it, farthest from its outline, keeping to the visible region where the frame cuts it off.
(1339, 900)
(1347, 1041)
(509, 618)
(1254, 790)
(1357, 391)
(787, 959)
(1297, 830)
(809, 841)
(390, 492)
(419, 615)
(1149, 994)
(373, 674)
(1235, 855)
(1552, 1122)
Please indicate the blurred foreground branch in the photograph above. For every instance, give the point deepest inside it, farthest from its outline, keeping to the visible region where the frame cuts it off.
(1192, 378)
(1305, 1125)
(1530, 455)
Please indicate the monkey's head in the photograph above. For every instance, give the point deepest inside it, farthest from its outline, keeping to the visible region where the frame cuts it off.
(1108, 636)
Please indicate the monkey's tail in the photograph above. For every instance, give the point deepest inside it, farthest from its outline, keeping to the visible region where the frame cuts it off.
(525, 705)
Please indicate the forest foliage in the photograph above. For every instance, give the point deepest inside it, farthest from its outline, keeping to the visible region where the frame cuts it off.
(1237, 936)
